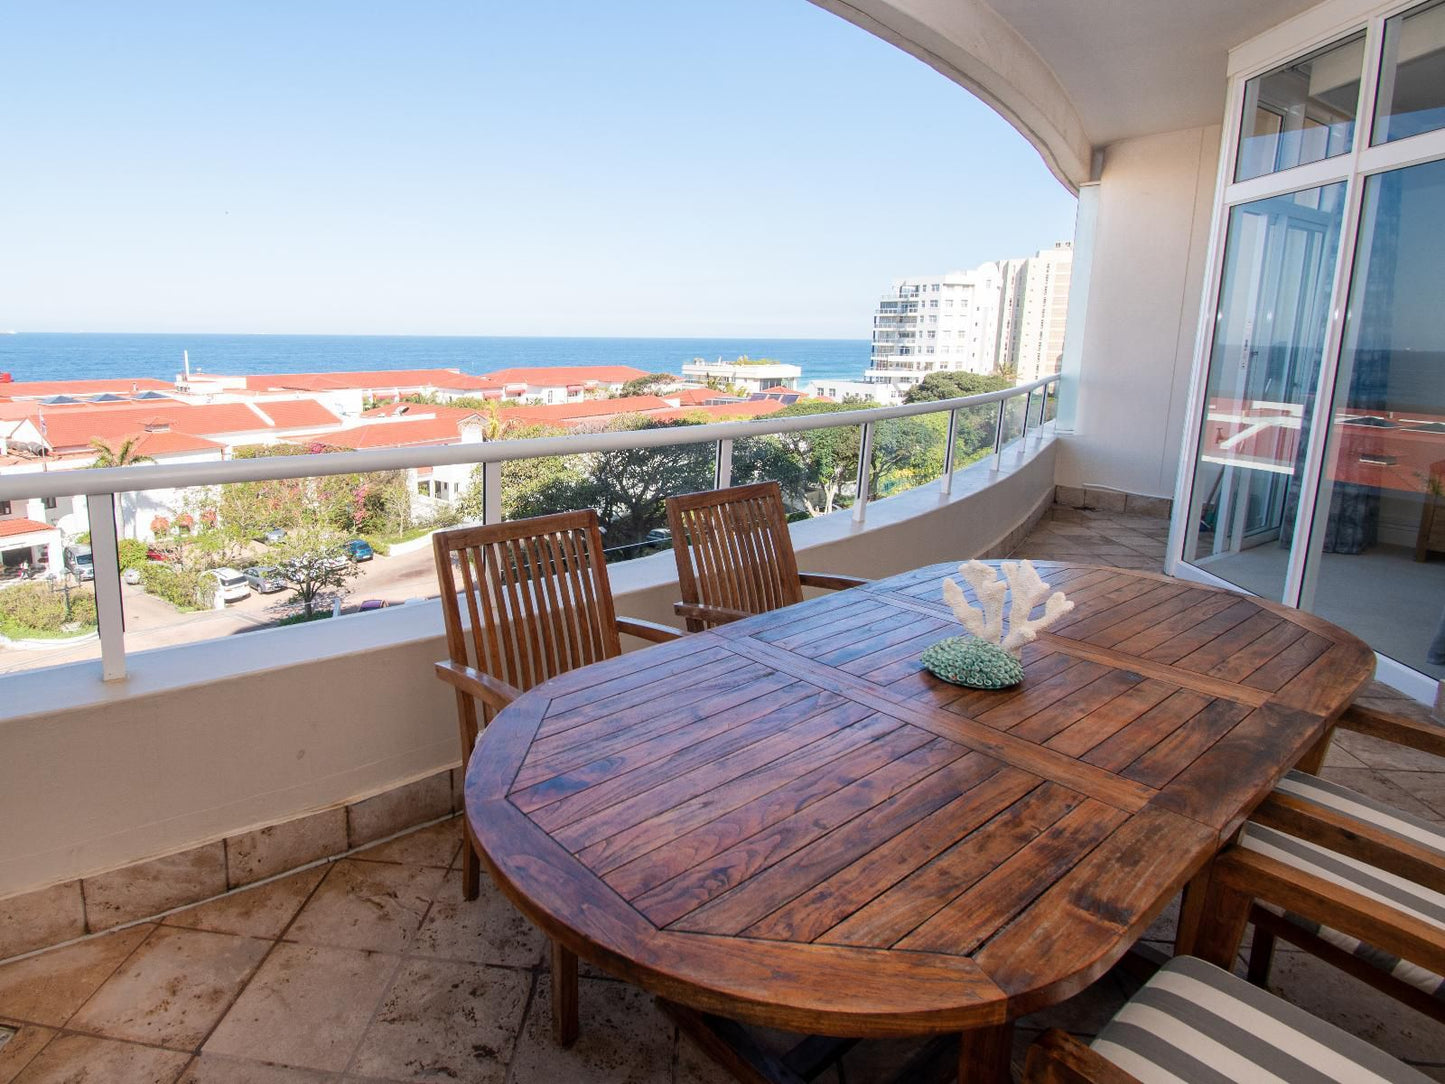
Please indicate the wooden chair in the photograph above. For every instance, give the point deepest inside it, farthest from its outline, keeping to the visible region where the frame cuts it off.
(1340, 874)
(538, 603)
(735, 555)
(1196, 1023)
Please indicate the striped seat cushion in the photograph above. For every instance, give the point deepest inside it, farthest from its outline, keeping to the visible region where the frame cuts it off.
(1196, 1024)
(1358, 876)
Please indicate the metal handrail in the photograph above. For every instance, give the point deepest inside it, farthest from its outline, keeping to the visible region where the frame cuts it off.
(100, 486)
(102, 480)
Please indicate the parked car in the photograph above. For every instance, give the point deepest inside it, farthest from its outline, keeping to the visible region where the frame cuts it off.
(373, 604)
(264, 579)
(154, 554)
(230, 584)
(274, 535)
(360, 549)
(79, 563)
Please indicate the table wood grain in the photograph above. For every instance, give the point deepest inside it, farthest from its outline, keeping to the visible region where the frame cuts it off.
(786, 821)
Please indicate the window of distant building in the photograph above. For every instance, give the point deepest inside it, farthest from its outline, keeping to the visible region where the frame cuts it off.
(49, 503)
(4, 508)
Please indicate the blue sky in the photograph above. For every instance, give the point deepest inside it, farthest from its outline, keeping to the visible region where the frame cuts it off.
(643, 167)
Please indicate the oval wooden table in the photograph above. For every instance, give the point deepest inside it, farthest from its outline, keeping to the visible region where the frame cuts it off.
(785, 821)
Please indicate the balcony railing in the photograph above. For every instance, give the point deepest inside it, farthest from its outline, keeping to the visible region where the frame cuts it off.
(1015, 415)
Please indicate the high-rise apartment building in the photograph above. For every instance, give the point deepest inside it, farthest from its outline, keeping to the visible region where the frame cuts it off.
(1005, 314)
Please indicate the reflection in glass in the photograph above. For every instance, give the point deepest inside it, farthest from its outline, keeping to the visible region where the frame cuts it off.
(907, 452)
(1411, 98)
(1263, 368)
(816, 468)
(1377, 561)
(1302, 112)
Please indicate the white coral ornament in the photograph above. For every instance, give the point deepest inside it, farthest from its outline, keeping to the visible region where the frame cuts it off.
(1026, 590)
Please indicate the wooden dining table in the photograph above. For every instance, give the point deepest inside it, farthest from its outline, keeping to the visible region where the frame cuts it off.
(786, 821)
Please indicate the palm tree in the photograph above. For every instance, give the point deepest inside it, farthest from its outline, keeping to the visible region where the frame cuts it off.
(124, 456)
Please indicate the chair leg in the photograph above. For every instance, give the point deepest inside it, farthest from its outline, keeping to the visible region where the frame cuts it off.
(471, 868)
(564, 995)
(1261, 955)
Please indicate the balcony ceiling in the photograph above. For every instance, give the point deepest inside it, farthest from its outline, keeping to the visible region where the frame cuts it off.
(1074, 77)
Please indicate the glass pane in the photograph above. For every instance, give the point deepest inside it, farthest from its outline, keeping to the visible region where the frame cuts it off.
(1013, 419)
(1264, 364)
(977, 426)
(1302, 112)
(817, 469)
(907, 452)
(628, 488)
(1412, 74)
(1378, 558)
(47, 593)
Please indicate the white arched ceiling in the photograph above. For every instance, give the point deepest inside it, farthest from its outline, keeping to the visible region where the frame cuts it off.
(1074, 76)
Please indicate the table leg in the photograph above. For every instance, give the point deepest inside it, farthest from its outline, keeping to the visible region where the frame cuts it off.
(564, 995)
(984, 1055)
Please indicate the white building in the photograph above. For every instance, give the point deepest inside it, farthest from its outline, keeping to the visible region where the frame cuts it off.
(1004, 314)
(884, 394)
(744, 373)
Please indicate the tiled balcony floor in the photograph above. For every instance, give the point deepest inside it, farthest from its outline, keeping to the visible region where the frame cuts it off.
(373, 968)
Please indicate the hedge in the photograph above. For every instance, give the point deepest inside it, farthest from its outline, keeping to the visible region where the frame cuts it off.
(34, 610)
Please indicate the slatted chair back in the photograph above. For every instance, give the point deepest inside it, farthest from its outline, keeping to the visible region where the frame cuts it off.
(537, 597)
(733, 549)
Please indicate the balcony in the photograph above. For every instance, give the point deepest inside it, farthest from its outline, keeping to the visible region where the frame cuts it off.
(369, 964)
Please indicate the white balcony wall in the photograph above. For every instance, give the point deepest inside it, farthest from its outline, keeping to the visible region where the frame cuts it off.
(212, 739)
(1149, 250)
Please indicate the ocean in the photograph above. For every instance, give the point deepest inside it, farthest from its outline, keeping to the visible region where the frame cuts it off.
(67, 356)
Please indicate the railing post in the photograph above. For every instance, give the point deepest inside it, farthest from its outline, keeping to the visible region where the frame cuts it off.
(865, 472)
(998, 435)
(949, 441)
(105, 562)
(1024, 433)
(723, 475)
(492, 492)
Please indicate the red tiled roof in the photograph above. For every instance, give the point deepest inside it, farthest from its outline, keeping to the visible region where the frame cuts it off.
(297, 413)
(22, 526)
(585, 410)
(558, 376)
(751, 408)
(75, 428)
(169, 443)
(394, 434)
(24, 389)
(375, 379)
(698, 396)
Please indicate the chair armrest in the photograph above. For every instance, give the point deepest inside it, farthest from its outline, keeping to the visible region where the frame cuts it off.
(490, 691)
(1355, 838)
(1058, 1058)
(712, 615)
(1271, 881)
(648, 630)
(1417, 733)
(830, 581)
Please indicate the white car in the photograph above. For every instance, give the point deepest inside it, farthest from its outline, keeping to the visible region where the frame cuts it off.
(230, 584)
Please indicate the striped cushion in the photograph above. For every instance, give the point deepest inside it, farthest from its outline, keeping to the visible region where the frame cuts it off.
(1368, 880)
(1196, 1024)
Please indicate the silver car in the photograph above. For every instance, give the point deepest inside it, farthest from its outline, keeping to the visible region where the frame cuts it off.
(264, 579)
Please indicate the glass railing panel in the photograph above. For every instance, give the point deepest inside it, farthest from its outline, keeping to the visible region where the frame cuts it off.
(977, 426)
(816, 469)
(907, 452)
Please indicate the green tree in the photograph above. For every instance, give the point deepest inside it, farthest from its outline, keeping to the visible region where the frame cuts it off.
(126, 455)
(952, 384)
(313, 559)
(651, 384)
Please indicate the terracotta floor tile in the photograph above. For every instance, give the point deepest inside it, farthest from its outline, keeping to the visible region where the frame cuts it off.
(435, 845)
(367, 905)
(214, 1069)
(21, 1048)
(83, 1059)
(1427, 787)
(1378, 785)
(47, 989)
(443, 1020)
(624, 1039)
(488, 930)
(262, 911)
(307, 1007)
(172, 989)
(1378, 753)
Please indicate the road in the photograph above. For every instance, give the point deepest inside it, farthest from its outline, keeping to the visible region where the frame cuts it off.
(150, 622)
